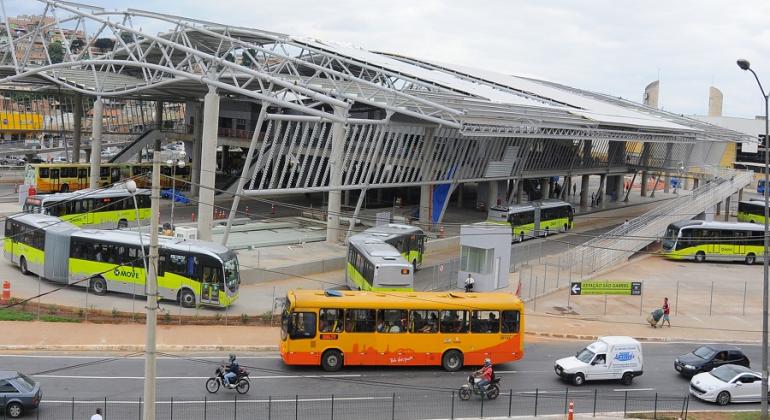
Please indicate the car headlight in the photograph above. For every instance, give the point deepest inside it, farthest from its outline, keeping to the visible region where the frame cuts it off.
(689, 367)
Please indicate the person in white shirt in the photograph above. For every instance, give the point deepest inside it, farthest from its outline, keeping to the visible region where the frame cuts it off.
(469, 282)
(98, 415)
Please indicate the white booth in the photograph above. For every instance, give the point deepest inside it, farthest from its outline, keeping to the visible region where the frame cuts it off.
(485, 254)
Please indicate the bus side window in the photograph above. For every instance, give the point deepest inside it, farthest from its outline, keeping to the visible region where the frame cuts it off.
(510, 321)
(485, 322)
(176, 264)
(44, 172)
(454, 321)
(360, 320)
(331, 320)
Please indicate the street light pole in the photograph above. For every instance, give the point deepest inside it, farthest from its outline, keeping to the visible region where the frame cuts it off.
(152, 295)
(174, 163)
(745, 65)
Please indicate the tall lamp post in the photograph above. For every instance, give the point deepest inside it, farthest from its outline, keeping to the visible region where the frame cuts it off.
(178, 162)
(745, 65)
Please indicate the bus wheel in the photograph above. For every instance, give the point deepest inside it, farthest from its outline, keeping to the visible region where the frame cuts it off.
(23, 266)
(331, 361)
(122, 224)
(751, 259)
(700, 256)
(452, 361)
(64, 188)
(99, 286)
(187, 298)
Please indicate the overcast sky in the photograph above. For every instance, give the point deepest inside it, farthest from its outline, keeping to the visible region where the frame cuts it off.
(610, 46)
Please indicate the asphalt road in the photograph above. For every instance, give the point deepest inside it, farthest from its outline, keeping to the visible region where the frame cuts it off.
(359, 392)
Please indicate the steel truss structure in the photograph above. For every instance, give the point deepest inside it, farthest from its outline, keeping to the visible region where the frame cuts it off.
(410, 128)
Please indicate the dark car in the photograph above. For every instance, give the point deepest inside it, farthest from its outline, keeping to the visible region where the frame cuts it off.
(709, 356)
(19, 393)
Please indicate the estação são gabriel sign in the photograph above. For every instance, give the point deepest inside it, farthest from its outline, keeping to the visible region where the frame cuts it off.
(606, 288)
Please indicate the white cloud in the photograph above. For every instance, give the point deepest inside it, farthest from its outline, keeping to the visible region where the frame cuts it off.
(614, 47)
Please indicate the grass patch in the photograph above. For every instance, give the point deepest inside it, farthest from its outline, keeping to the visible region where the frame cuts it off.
(11, 315)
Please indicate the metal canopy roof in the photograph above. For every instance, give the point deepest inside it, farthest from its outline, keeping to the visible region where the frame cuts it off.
(313, 77)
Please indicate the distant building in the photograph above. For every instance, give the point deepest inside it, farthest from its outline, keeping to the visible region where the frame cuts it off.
(34, 47)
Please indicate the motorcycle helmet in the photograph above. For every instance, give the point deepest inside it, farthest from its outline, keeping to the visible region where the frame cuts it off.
(487, 361)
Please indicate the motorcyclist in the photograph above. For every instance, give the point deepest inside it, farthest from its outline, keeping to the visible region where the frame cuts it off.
(232, 370)
(484, 375)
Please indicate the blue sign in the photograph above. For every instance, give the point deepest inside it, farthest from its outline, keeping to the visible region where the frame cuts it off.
(624, 356)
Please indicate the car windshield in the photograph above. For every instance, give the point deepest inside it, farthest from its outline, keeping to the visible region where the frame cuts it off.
(232, 278)
(724, 373)
(585, 355)
(25, 382)
(704, 352)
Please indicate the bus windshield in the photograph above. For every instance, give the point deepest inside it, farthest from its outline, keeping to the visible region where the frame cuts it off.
(232, 279)
(670, 238)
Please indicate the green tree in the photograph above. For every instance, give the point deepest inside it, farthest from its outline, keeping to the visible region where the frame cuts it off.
(104, 43)
(56, 52)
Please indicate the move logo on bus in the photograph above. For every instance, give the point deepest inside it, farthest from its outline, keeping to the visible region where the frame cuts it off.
(120, 272)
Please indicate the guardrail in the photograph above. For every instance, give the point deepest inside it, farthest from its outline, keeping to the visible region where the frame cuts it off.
(412, 405)
(620, 243)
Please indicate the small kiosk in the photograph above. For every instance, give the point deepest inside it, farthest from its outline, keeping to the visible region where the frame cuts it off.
(485, 254)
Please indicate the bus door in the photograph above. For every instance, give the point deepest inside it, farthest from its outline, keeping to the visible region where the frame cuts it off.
(83, 180)
(54, 180)
(212, 282)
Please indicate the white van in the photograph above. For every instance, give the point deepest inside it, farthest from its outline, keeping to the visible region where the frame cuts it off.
(614, 357)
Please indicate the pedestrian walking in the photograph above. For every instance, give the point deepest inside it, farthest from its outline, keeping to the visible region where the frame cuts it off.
(593, 199)
(625, 226)
(98, 415)
(574, 189)
(469, 282)
(666, 312)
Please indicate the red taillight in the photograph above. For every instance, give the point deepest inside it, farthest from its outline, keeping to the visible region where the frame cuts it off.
(405, 271)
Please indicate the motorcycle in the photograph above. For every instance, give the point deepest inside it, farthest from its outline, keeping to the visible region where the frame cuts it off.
(491, 392)
(242, 383)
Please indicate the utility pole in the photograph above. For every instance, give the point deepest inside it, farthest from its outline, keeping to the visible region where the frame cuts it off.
(152, 293)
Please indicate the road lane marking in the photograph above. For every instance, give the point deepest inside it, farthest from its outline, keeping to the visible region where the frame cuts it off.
(635, 389)
(240, 401)
(196, 377)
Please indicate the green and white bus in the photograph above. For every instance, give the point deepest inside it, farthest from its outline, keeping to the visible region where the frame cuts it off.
(108, 209)
(714, 241)
(190, 272)
(752, 211)
(537, 218)
(408, 240)
(375, 265)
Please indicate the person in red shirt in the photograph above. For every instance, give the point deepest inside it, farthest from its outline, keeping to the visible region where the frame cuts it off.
(484, 374)
(665, 313)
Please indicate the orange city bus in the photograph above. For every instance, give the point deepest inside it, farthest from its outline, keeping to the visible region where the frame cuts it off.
(67, 177)
(333, 328)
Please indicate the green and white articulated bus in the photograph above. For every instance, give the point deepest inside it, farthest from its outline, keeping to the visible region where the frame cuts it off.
(190, 272)
(384, 258)
(537, 218)
(714, 241)
(106, 209)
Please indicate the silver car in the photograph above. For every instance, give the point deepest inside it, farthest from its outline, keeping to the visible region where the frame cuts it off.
(18, 392)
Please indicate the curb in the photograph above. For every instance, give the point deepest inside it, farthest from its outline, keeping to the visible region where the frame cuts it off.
(138, 348)
(642, 339)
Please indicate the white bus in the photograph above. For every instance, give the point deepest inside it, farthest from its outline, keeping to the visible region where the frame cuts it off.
(106, 209)
(375, 265)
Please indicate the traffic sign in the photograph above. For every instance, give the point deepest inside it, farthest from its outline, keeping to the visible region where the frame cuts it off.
(633, 288)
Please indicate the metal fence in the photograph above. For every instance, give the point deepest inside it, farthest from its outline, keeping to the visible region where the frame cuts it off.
(435, 405)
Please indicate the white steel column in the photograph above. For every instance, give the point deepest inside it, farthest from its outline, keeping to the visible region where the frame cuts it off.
(492, 194)
(77, 119)
(244, 172)
(335, 176)
(152, 295)
(426, 190)
(584, 190)
(96, 141)
(208, 164)
(197, 147)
